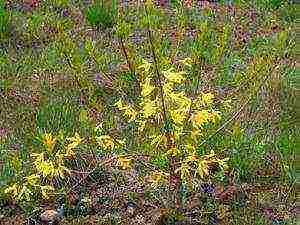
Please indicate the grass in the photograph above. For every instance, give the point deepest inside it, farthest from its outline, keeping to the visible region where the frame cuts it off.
(65, 64)
(102, 15)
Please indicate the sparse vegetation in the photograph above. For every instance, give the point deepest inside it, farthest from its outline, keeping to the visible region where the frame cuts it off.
(148, 112)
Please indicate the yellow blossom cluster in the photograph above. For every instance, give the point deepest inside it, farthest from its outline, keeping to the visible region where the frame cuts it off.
(49, 141)
(166, 98)
(49, 168)
(201, 165)
(30, 185)
(48, 165)
(158, 177)
(105, 141)
(179, 107)
(124, 162)
(51, 163)
(127, 110)
(74, 142)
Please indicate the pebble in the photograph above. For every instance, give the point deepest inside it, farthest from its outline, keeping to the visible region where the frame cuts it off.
(50, 216)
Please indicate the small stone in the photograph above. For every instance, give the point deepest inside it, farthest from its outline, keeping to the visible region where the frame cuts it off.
(131, 208)
(50, 216)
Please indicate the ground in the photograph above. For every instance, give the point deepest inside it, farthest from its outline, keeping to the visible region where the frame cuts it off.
(65, 64)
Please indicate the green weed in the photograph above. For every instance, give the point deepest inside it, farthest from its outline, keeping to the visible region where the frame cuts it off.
(101, 14)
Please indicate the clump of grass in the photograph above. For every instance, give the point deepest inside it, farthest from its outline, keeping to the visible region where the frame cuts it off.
(4, 21)
(102, 15)
(55, 117)
(270, 4)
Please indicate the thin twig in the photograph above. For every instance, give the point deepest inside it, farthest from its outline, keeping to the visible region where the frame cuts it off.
(235, 115)
(130, 64)
(175, 200)
(88, 173)
(85, 94)
(158, 79)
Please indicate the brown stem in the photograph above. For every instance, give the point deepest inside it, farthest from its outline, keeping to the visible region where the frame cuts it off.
(129, 63)
(174, 179)
(158, 78)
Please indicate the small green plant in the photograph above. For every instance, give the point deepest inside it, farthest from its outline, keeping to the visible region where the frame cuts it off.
(270, 4)
(101, 14)
(4, 21)
(56, 117)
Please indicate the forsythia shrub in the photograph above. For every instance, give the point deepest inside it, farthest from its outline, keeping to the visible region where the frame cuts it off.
(171, 122)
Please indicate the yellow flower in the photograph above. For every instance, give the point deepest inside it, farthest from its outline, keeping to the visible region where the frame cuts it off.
(70, 153)
(195, 133)
(145, 65)
(32, 179)
(105, 141)
(223, 163)
(149, 108)
(178, 116)
(175, 77)
(207, 99)
(124, 162)
(119, 104)
(157, 139)
(141, 125)
(49, 141)
(168, 88)
(25, 193)
(149, 3)
(46, 168)
(180, 100)
(147, 88)
(214, 116)
(207, 160)
(130, 113)
(13, 190)
(203, 168)
(187, 61)
(192, 157)
(173, 152)
(189, 148)
(184, 170)
(74, 141)
(200, 118)
(127, 110)
(60, 171)
(204, 100)
(38, 158)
